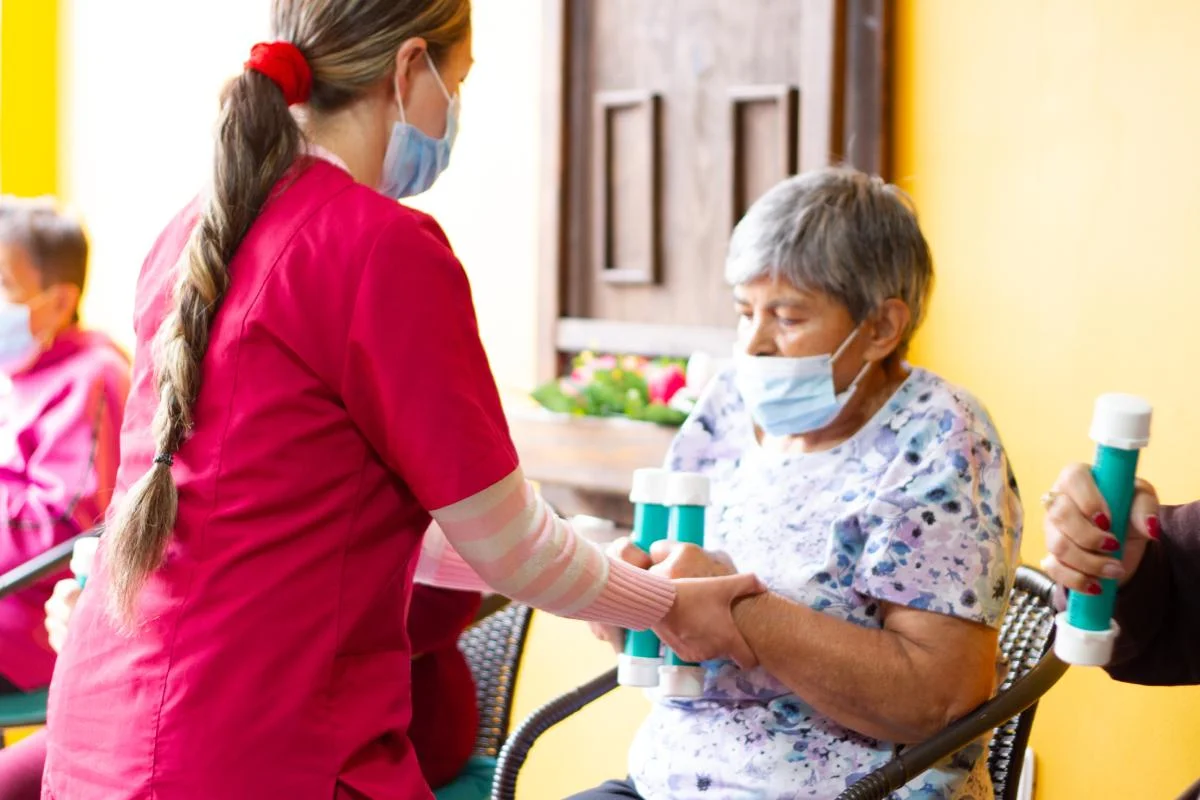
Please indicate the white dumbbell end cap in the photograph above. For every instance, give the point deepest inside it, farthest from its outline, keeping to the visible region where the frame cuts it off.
(1083, 648)
(649, 486)
(688, 489)
(637, 671)
(1121, 421)
(681, 682)
(83, 555)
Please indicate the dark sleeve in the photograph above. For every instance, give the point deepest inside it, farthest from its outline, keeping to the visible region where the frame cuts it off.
(437, 617)
(1159, 609)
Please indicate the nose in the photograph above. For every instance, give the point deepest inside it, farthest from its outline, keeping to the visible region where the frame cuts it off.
(756, 338)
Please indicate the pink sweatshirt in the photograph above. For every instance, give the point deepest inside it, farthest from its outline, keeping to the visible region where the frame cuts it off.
(59, 433)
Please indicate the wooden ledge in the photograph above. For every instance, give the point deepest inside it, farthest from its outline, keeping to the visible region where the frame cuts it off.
(596, 454)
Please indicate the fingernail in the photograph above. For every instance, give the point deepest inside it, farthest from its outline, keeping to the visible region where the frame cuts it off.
(1102, 521)
(1113, 570)
(1094, 588)
(1110, 545)
(1153, 527)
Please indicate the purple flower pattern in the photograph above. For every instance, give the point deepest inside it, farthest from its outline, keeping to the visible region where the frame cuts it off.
(919, 508)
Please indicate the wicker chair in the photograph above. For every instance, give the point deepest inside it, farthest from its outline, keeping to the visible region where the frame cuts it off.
(493, 648)
(29, 708)
(1025, 642)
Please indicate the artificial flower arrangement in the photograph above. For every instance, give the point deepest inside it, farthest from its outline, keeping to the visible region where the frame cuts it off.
(651, 390)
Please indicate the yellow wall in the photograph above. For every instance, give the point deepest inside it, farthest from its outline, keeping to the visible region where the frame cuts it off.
(1051, 146)
(28, 97)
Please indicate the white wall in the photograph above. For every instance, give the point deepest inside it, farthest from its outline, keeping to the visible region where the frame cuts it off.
(140, 89)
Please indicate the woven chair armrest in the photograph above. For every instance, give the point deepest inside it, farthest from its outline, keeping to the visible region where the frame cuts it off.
(516, 749)
(914, 760)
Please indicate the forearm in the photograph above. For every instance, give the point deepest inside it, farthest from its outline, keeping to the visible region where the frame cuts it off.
(512, 540)
(869, 680)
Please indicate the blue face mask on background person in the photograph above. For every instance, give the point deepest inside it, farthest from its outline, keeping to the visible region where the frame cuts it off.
(415, 159)
(17, 344)
(793, 396)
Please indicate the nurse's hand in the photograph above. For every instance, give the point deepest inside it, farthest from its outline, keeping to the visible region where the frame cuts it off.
(623, 550)
(59, 609)
(1077, 532)
(700, 625)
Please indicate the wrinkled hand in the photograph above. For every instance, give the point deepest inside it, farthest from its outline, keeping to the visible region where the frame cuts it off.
(1076, 527)
(700, 625)
(59, 609)
(624, 550)
(680, 560)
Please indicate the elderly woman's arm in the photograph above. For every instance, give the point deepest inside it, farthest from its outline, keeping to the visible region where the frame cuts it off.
(902, 683)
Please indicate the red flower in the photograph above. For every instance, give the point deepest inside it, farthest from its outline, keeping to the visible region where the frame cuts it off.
(663, 382)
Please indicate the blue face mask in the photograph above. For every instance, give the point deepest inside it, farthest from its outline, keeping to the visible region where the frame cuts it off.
(17, 345)
(414, 159)
(793, 396)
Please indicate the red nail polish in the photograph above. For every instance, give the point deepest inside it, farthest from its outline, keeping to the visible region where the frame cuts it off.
(1153, 528)
(1094, 588)
(1110, 545)
(1102, 521)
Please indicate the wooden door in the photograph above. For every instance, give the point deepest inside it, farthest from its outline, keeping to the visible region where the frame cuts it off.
(664, 120)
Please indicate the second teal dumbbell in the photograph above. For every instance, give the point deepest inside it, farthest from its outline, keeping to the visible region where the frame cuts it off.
(688, 498)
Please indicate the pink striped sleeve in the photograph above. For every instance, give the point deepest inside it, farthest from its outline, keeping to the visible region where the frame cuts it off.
(506, 538)
(441, 565)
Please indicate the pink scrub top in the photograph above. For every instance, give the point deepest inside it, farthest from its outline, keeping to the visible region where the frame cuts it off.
(344, 392)
(59, 425)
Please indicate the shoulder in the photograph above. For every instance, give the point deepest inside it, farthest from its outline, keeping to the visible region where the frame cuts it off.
(402, 242)
(101, 365)
(934, 410)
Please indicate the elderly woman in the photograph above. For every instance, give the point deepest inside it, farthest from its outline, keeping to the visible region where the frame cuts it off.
(872, 497)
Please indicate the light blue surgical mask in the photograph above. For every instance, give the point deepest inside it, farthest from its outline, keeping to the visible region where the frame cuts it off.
(793, 396)
(17, 344)
(414, 159)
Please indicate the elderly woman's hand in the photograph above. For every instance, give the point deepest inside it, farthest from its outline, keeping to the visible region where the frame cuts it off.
(624, 550)
(681, 560)
(700, 626)
(59, 608)
(1077, 524)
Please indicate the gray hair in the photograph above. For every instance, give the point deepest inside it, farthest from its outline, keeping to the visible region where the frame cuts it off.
(841, 232)
(53, 240)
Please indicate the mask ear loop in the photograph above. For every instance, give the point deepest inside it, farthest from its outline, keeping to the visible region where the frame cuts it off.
(400, 101)
(438, 77)
(845, 343)
(862, 373)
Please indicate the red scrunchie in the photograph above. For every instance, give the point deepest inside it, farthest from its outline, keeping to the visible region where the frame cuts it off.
(286, 66)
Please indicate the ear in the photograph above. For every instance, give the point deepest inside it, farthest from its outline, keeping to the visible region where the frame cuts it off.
(409, 55)
(63, 299)
(886, 329)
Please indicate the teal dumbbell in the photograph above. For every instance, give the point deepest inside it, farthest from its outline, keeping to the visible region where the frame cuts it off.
(1121, 428)
(688, 498)
(638, 664)
(83, 555)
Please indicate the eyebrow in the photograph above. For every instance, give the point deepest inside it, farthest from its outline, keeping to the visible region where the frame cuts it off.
(784, 302)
